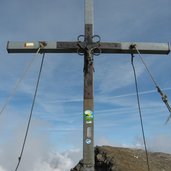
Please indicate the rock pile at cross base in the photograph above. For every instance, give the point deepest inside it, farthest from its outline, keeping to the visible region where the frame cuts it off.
(123, 159)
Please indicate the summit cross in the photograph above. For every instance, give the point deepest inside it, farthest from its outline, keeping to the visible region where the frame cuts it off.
(88, 45)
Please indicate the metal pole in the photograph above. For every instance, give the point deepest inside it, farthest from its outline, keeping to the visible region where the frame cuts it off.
(88, 113)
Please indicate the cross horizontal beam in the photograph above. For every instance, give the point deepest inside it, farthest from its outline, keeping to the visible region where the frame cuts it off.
(72, 47)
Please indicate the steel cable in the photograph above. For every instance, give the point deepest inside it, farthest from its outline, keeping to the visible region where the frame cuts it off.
(140, 113)
(17, 84)
(31, 113)
(163, 96)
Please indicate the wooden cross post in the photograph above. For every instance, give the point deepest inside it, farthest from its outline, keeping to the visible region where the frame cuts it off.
(88, 45)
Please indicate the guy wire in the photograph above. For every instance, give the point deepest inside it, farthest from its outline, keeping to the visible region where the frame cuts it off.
(163, 96)
(31, 113)
(151, 76)
(16, 86)
(140, 113)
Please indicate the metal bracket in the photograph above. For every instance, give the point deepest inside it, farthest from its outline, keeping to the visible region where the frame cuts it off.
(89, 48)
(42, 45)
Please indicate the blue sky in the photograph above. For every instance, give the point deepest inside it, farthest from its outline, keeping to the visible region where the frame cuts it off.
(57, 116)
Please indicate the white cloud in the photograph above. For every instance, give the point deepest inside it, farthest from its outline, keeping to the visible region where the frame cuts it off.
(1, 169)
(53, 162)
(38, 153)
(58, 162)
(160, 143)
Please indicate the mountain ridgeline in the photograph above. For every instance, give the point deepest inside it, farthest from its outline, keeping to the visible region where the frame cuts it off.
(124, 159)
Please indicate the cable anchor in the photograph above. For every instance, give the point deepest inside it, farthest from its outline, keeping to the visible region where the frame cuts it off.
(42, 45)
(132, 47)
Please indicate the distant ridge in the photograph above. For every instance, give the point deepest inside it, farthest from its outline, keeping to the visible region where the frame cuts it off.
(109, 158)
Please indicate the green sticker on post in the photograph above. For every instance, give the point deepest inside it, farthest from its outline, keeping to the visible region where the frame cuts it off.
(88, 114)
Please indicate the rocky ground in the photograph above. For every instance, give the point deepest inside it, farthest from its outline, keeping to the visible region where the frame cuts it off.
(124, 159)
